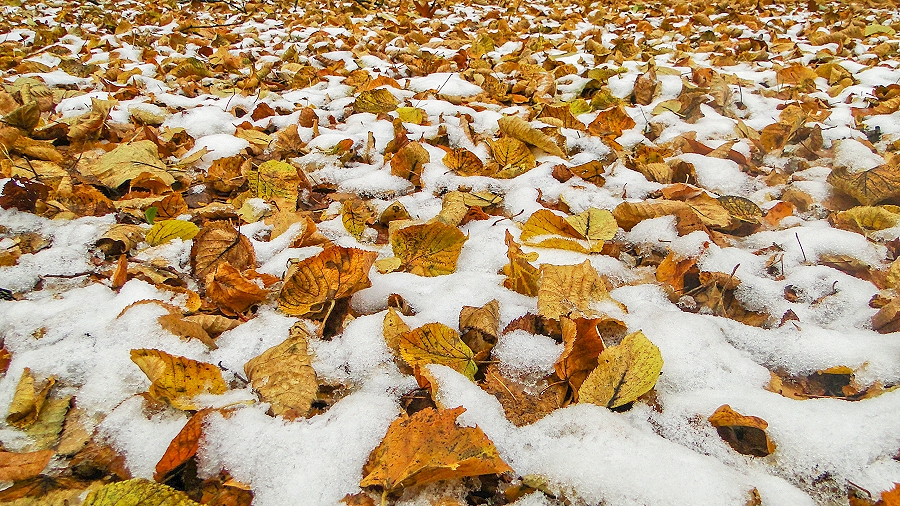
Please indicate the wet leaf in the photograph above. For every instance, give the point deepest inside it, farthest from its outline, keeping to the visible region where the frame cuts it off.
(570, 290)
(869, 187)
(409, 162)
(28, 400)
(746, 434)
(521, 276)
(464, 162)
(375, 101)
(138, 492)
(183, 447)
(624, 372)
(512, 156)
(427, 447)
(333, 274)
(164, 231)
(429, 249)
(177, 380)
(45, 431)
(219, 242)
(284, 377)
(21, 466)
(436, 343)
(230, 290)
(517, 128)
(522, 403)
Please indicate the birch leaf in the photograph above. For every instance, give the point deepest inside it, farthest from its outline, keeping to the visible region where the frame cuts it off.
(177, 380)
(164, 231)
(624, 372)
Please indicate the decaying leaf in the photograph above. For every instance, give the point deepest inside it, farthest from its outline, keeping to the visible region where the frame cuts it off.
(28, 400)
(436, 343)
(177, 380)
(746, 434)
(164, 231)
(480, 327)
(517, 128)
(521, 276)
(741, 209)
(624, 372)
(119, 239)
(356, 214)
(274, 179)
(219, 242)
(571, 290)
(428, 249)
(183, 447)
(232, 291)
(524, 404)
(284, 377)
(409, 162)
(429, 446)
(333, 274)
(138, 492)
(128, 161)
(583, 344)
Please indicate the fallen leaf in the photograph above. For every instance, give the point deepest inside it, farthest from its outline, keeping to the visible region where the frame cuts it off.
(545, 222)
(138, 492)
(375, 101)
(524, 404)
(427, 447)
(356, 214)
(672, 270)
(592, 172)
(624, 373)
(746, 434)
(869, 187)
(219, 242)
(583, 345)
(28, 400)
(436, 343)
(646, 87)
(128, 161)
(335, 273)
(563, 116)
(186, 329)
(594, 225)
(409, 162)
(120, 239)
(230, 290)
(521, 276)
(464, 162)
(177, 380)
(570, 290)
(778, 212)
(741, 209)
(284, 377)
(394, 327)
(512, 158)
(891, 497)
(183, 447)
(480, 328)
(274, 179)
(23, 194)
(21, 466)
(629, 214)
(164, 231)
(45, 431)
(611, 122)
(428, 249)
(517, 128)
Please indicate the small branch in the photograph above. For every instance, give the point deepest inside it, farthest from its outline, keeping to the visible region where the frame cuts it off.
(801, 247)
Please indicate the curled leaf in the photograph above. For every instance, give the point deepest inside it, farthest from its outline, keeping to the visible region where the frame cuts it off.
(521, 276)
(409, 162)
(28, 400)
(219, 242)
(333, 274)
(177, 380)
(517, 128)
(183, 447)
(746, 434)
(231, 291)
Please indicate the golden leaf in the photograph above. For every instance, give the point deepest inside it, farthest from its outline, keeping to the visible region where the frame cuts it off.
(464, 162)
(746, 434)
(517, 128)
(24, 117)
(869, 187)
(177, 380)
(394, 212)
(774, 137)
(521, 276)
(611, 122)
(710, 210)
(646, 87)
(429, 446)
(624, 372)
(480, 327)
(356, 214)
(412, 115)
(386, 265)
(563, 115)
(213, 324)
(512, 156)
(375, 101)
(284, 377)
(21, 466)
(233, 292)
(671, 270)
(409, 161)
(138, 492)
(45, 432)
(333, 274)
(274, 179)
(867, 218)
(546, 222)
(629, 214)
(219, 242)
(561, 243)
(429, 249)
(595, 225)
(28, 400)
(453, 208)
(891, 497)
(795, 74)
(191, 67)
(394, 327)
(128, 161)
(592, 172)
(436, 343)
(120, 238)
(570, 290)
(741, 209)
(164, 231)
(481, 45)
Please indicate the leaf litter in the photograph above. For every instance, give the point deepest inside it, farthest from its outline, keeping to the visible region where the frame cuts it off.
(253, 250)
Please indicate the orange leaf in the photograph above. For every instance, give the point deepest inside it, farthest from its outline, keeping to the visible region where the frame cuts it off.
(778, 212)
(429, 446)
(183, 447)
(231, 291)
(21, 466)
(672, 271)
(521, 276)
(464, 162)
(333, 274)
(611, 122)
(891, 497)
(746, 434)
(583, 345)
(409, 162)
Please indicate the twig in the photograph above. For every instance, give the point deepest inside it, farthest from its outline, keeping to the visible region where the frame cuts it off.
(801, 247)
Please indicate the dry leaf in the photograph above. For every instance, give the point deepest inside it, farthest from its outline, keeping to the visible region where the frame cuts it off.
(545, 222)
(128, 161)
(610, 123)
(629, 214)
(869, 187)
(219, 242)
(521, 276)
(409, 161)
(164, 231)
(517, 128)
(570, 290)
(138, 492)
(672, 270)
(28, 400)
(436, 343)
(186, 329)
(394, 327)
(230, 290)
(356, 214)
(429, 446)
(429, 249)
(21, 466)
(592, 172)
(624, 372)
(464, 162)
(480, 327)
(284, 377)
(120, 239)
(562, 116)
(177, 380)
(183, 447)
(746, 434)
(583, 345)
(891, 497)
(741, 209)
(375, 101)
(524, 404)
(594, 225)
(275, 179)
(512, 158)
(333, 274)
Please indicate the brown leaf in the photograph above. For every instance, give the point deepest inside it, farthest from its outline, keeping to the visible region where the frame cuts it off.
(480, 327)
(869, 187)
(233, 292)
(610, 123)
(672, 270)
(21, 466)
(284, 377)
(524, 404)
(429, 446)
(629, 214)
(23, 194)
(521, 276)
(219, 242)
(560, 115)
(183, 447)
(409, 161)
(583, 345)
(335, 273)
(646, 86)
(746, 434)
(592, 172)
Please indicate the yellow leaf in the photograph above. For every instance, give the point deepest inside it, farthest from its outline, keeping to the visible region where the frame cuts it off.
(164, 231)
(45, 431)
(386, 265)
(624, 373)
(563, 116)
(274, 179)
(869, 187)
(546, 222)
(746, 434)
(741, 209)
(28, 400)
(562, 243)
(592, 172)
(138, 492)
(481, 45)
(579, 106)
(409, 161)
(128, 161)
(429, 249)
(394, 327)
(25, 117)
(673, 105)
(177, 380)
(710, 210)
(570, 290)
(629, 214)
(594, 225)
(464, 162)
(611, 122)
(394, 212)
(356, 214)
(436, 343)
(412, 115)
(333, 274)
(512, 157)
(427, 447)
(191, 67)
(517, 128)
(375, 101)
(284, 377)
